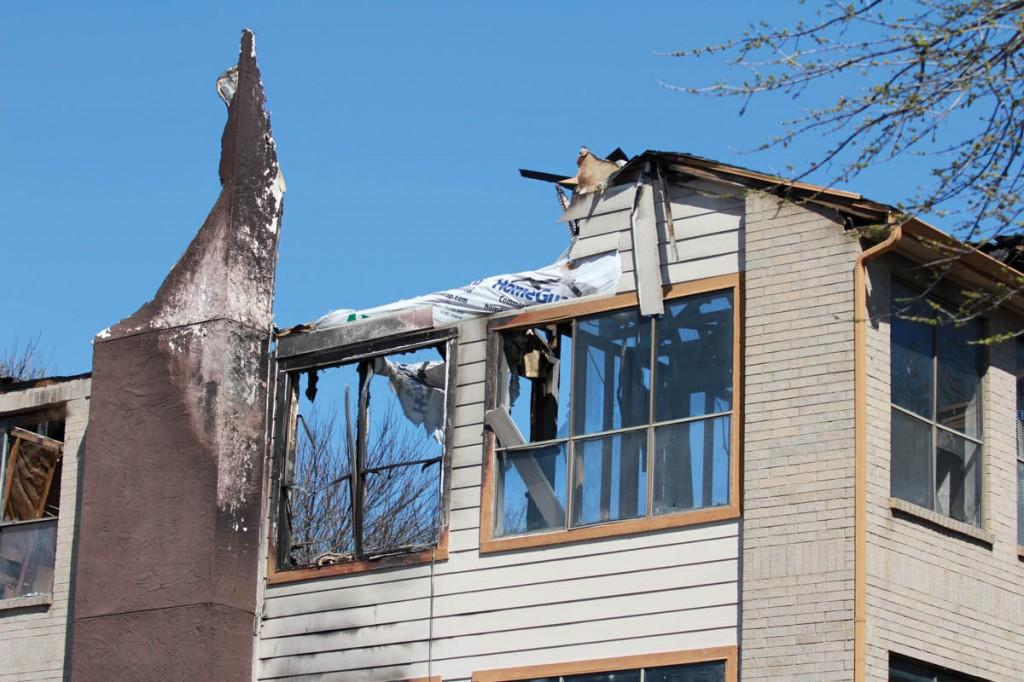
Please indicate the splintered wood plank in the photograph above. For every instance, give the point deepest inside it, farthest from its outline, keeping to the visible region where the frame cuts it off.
(30, 474)
(646, 258)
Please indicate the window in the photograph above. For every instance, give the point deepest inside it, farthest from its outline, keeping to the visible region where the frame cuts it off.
(705, 665)
(615, 419)
(903, 669)
(1020, 443)
(30, 469)
(936, 409)
(692, 672)
(363, 466)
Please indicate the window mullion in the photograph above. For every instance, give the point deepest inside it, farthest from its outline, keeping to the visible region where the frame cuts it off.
(4, 426)
(570, 446)
(934, 420)
(649, 458)
(359, 464)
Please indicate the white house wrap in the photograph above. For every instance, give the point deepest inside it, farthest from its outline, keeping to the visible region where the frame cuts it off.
(561, 281)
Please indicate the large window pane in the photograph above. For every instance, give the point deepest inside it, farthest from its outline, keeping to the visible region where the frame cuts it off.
(911, 459)
(530, 490)
(26, 558)
(693, 374)
(610, 478)
(1020, 443)
(912, 349)
(959, 370)
(902, 670)
(618, 676)
(957, 478)
(611, 387)
(692, 672)
(907, 670)
(691, 465)
(1020, 502)
(1020, 400)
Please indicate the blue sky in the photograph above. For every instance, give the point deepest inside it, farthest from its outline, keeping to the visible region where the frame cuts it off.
(400, 128)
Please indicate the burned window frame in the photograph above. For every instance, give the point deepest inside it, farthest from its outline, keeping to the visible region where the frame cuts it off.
(289, 372)
(490, 542)
(45, 526)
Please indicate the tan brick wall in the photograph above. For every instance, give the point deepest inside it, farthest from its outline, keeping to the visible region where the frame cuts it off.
(32, 639)
(797, 588)
(932, 594)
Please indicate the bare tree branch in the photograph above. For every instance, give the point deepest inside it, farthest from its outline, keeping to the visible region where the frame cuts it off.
(23, 364)
(943, 84)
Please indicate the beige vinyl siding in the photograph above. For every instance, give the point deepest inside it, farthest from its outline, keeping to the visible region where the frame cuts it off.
(654, 592)
(707, 221)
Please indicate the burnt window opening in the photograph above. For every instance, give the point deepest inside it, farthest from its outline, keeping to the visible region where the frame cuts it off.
(31, 462)
(365, 461)
(614, 416)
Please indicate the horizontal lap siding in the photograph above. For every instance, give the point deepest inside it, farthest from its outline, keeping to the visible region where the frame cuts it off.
(664, 591)
(707, 229)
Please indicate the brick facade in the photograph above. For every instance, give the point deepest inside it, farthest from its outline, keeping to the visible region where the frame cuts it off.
(797, 587)
(935, 594)
(32, 638)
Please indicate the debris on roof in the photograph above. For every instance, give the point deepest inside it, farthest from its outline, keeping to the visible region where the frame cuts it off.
(14, 384)
(593, 172)
(564, 280)
(1008, 248)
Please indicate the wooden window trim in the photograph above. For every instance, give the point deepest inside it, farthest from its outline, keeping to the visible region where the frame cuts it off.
(278, 576)
(489, 543)
(728, 654)
(284, 427)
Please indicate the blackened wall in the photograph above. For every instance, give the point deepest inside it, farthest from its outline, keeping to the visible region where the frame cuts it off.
(168, 542)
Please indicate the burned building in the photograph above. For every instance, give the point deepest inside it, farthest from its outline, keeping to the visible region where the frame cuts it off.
(710, 443)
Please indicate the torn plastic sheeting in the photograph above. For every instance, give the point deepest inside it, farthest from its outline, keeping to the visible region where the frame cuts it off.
(562, 281)
(420, 390)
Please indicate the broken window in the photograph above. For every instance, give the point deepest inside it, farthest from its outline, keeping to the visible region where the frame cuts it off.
(936, 409)
(30, 470)
(614, 416)
(365, 463)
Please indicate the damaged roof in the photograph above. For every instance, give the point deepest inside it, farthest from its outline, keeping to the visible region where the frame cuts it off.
(8, 384)
(999, 257)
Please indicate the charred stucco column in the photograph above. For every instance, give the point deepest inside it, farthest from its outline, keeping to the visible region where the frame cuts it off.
(168, 542)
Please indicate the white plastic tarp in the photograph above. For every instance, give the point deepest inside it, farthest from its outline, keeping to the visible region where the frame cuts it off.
(420, 390)
(564, 280)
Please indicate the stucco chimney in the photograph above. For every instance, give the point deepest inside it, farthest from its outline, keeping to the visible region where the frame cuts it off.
(165, 577)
